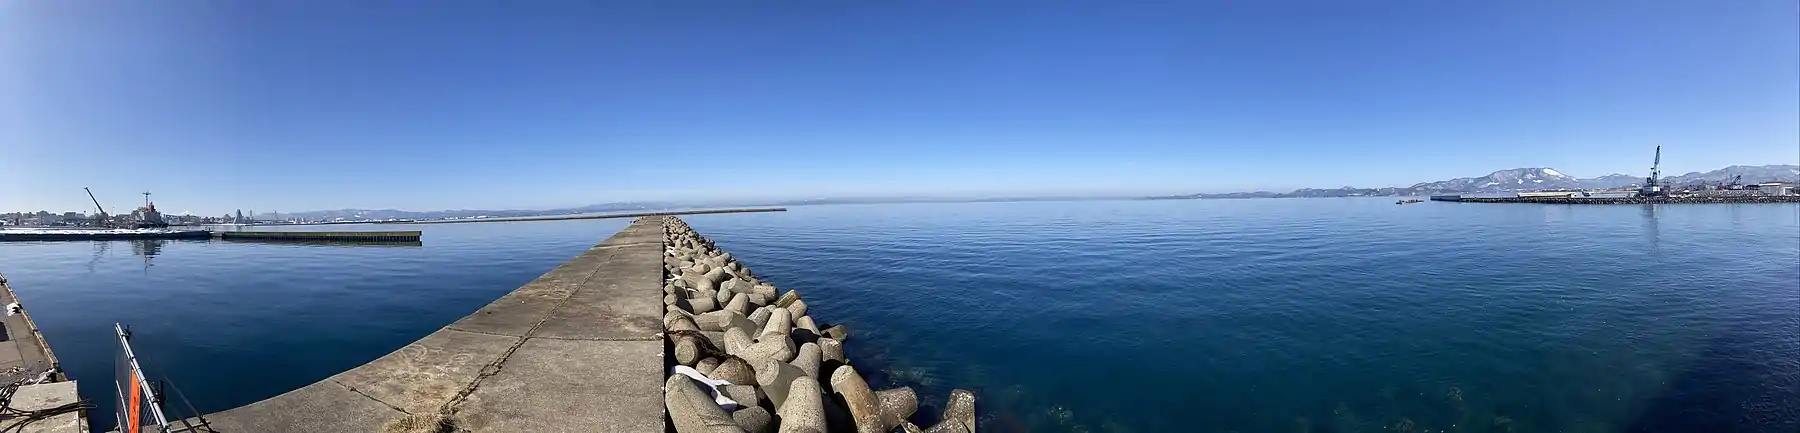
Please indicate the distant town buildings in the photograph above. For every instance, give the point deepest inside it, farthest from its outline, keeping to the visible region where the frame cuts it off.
(40, 218)
(139, 215)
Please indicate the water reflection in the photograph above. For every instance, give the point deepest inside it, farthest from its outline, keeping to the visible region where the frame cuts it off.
(100, 249)
(147, 247)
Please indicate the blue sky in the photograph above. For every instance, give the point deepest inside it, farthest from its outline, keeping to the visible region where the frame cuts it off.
(301, 105)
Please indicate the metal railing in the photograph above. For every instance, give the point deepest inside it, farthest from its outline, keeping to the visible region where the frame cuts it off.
(139, 405)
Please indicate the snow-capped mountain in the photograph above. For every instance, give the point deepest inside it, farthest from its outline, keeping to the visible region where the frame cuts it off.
(1750, 173)
(1502, 181)
(1535, 179)
(1614, 180)
(1530, 179)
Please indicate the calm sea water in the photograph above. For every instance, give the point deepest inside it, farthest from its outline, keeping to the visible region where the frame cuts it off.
(1288, 315)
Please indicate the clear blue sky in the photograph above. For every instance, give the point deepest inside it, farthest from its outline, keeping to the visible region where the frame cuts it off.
(302, 105)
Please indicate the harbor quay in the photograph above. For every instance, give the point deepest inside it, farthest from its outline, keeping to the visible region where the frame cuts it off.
(577, 349)
(37, 396)
(653, 329)
(48, 235)
(1750, 199)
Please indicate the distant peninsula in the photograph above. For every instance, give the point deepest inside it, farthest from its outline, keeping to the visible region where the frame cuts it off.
(1523, 180)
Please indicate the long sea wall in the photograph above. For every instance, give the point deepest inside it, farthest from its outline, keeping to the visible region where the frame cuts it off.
(745, 356)
(1634, 200)
(576, 350)
(581, 349)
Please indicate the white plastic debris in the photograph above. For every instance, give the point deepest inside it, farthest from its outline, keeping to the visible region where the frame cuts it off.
(712, 387)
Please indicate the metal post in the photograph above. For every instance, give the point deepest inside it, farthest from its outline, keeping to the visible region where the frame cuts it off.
(138, 404)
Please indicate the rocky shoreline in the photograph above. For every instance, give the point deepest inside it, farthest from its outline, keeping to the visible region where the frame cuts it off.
(742, 356)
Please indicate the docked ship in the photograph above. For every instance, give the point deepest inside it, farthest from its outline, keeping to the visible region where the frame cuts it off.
(147, 217)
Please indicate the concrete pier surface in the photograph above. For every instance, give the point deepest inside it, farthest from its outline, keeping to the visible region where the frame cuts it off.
(25, 358)
(85, 234)
(144, 234)
(579, 349)
(23, 352)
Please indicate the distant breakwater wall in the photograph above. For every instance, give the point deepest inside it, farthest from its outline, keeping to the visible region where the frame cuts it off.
(393, 236)
(1634, 200)
(732, 336)
(590, 217)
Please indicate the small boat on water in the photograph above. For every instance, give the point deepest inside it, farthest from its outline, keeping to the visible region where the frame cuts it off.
(1409, 201)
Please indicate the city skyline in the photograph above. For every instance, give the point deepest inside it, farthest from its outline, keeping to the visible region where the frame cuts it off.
(332, 105)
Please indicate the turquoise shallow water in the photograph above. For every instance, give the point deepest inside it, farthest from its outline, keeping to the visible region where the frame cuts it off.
(1322, 315)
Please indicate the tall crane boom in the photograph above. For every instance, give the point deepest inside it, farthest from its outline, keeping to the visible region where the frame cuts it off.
(102, 217)
(1656, 167)
(1651, 187)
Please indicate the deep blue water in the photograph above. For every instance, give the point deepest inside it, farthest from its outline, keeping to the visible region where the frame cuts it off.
(1285, 315)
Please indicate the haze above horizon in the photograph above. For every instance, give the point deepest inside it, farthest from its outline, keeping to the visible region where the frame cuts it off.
(338, 104)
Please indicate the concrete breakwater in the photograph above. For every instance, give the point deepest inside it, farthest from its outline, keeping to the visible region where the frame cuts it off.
(590, 216)
(39, 398)
(1632, 200)
(575, 350)
(393, 236)
(579, 349)
(29, 235)
(167, 234)
(743, 356)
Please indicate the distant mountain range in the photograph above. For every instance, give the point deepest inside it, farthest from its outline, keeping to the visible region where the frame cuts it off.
(1518, 179)
(1751, 173)
(1528, 179)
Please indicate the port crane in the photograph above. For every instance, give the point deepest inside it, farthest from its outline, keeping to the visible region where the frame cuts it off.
(1651, 187)
(99, 220)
